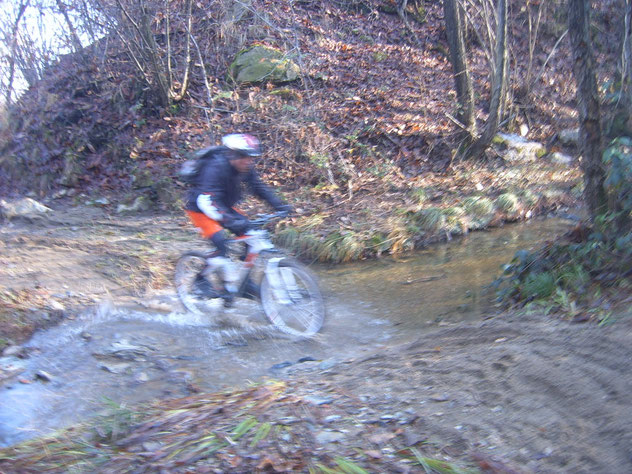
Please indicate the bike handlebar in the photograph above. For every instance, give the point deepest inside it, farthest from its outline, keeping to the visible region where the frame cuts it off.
(262, 219)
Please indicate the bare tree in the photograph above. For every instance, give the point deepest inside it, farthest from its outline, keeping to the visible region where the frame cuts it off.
(498, 66)
(489, 24)
(626, 57)
(134, 22)
(11, 39)
(455, 30)
(588, 106)
(72, 31)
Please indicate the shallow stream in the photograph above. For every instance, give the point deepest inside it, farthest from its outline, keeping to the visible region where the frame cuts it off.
(116, 356)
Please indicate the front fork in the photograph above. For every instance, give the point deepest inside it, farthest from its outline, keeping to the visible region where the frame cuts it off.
(282, 281)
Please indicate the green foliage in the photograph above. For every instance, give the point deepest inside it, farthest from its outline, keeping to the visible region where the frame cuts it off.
(115, 422)
(320, 160)
(538, 285)
(562, 274)
(617, 160)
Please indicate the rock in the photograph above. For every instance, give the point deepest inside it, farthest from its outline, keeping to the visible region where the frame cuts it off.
(263, 64)
(520, 149)
(26, 208)
(56, 306)
(314, 400)
(14, 351)
(561, 158)
(324, 437)
(43, 376)
(142, 377)
(439, 397)
(280, 365)
(115, 367)
(569, 137)
(140, 204)
(152, 446)
(98, 202)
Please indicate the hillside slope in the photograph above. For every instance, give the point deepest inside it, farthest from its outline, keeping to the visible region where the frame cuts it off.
(366, 134)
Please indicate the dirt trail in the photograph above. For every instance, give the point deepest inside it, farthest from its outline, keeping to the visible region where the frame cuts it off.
(512, 394)
(545, 396)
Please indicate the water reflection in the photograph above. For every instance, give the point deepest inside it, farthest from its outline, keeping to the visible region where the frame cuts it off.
(444, 283)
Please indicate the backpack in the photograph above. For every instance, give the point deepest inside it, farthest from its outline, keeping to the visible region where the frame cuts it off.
(191, 168)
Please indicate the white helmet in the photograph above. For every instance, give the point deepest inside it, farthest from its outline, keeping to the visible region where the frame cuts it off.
(242, 143)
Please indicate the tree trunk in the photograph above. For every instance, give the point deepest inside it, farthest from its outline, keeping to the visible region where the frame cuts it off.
(499, 84)
(588, 106)
(455, 27)
(160, 81)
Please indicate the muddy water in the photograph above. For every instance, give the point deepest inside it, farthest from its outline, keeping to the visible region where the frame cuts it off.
(125, 355)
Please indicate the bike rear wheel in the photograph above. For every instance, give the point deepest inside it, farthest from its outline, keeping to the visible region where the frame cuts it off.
(292, 300)
(188, 276)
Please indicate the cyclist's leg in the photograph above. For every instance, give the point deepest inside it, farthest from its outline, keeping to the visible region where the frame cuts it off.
(214, 232)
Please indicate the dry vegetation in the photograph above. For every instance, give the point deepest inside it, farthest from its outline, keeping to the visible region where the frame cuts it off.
(359, 144)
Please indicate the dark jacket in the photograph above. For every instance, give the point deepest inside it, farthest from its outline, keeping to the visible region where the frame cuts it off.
(225, 184)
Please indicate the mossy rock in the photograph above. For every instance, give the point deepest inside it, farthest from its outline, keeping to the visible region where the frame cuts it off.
(263, 64)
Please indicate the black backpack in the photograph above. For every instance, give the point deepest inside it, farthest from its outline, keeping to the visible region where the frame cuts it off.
(190, 169)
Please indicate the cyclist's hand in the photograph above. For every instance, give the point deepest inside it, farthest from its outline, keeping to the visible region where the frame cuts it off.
(239, 225)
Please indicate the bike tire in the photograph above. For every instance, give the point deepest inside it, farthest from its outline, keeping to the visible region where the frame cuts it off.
(188, 267)
(304, 315)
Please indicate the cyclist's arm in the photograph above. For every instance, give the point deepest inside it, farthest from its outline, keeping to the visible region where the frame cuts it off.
(263, 191)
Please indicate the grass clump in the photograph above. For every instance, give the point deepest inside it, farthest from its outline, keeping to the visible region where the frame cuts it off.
(430, 220)
(507, 202)
(478, 206)
(419, 195)
(480, 211)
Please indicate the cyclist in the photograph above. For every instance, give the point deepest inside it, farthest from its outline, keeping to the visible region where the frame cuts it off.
(215, 190)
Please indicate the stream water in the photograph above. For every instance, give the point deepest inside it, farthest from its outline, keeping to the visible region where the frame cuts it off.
(125, 355)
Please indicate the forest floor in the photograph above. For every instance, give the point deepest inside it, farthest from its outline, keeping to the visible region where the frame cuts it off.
(517, 393)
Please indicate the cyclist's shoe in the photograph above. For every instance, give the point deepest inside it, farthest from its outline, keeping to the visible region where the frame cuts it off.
(252, 291)
(202, 288)
(229, 299)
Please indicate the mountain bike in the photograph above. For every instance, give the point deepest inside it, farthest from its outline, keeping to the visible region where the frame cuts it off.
(287, 290)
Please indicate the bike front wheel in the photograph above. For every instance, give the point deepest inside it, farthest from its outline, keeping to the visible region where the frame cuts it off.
(291, 298)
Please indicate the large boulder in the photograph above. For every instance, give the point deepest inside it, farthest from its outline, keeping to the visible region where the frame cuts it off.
(26, 208)
(263, 64)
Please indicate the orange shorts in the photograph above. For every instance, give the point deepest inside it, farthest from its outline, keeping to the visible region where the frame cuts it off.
(208, 227)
